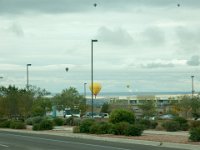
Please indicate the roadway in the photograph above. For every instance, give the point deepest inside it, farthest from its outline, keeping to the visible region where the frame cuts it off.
(25, 141)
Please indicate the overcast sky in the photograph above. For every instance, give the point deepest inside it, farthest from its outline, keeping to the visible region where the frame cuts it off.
(150, 45)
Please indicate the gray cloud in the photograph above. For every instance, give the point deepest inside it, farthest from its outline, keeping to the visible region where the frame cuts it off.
(16, 29)
(188, 40)
(158, 65)
(194, 61)
(116, 37)
(153, 36)
(61, 6)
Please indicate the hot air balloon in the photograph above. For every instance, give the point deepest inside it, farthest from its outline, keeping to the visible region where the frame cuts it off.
(96, 88)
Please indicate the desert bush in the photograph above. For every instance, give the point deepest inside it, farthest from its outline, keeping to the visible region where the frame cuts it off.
(120, 115)
(46, 125)
(37, 119)
(120, 128)
(171, 125)
(147, 124)
(36, 127)
(58, 121)
(195, 134)
(194, 124)
(29, 121)
(182, 122)
(43, 125)
(72, 121)
(101, 128)
(133, 130)
(5, 124)
(85, 125)
(17, 125)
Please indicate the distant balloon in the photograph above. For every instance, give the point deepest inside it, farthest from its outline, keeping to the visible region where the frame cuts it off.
(96, 88)
(67, 69)
(178, 5)
(95, 5)
(128, 86)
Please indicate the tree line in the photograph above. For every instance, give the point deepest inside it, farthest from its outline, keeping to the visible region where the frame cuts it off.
(22, 103)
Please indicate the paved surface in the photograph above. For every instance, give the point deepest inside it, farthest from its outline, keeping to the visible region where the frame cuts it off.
(66, 133)
(27, 141)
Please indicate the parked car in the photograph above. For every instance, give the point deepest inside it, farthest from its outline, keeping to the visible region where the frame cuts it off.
(104, 115)
(167, 116)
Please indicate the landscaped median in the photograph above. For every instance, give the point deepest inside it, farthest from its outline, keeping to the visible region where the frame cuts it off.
(121, 124)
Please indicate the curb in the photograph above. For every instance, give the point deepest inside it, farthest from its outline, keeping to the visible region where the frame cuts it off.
(111, 139)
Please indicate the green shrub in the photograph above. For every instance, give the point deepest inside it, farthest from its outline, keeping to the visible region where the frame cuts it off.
(36, 127)
(17, 125)
(69, 121)
(58, 121)
(171, 125)
(37, 119)
(147, 124)
(120, 128)
(133, 130)
(85, 125)
(195, 124)
(72, 121)
(76, 129)
(46, 125)
(182, 122)
(153, 125)
(101, 128)
(5, 124)
(121, 115)
(195, 134)
(43, 125)
(184, 127)
(29, 121)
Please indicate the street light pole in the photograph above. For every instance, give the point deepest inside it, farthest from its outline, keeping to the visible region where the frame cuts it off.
(85, 89)
(192, 85)
(27, 73)
(1, 77)
(92, 41)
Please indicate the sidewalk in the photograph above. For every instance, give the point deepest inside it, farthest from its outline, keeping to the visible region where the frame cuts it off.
(149, 137)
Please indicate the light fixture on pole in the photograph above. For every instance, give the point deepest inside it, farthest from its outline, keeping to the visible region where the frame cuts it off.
(192, 85)
(92, 41)
(27, 73)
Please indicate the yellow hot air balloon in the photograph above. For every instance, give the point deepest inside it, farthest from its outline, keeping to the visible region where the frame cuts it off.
(96, 88)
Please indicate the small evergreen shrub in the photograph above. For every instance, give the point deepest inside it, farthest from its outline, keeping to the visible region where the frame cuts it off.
(46, 125)
(37, 119)
(171, 126)
(58, 121)
(36, 127)
(120, 115)
(5, 124)
(147, 124)
(17, 125)
(120, 128)
(101, 128)
(29, 121)
(195, 134)
(85, 125)
(133, 130)
(43, 125)
(195, 124)
(153, 124)
(69, 121)
(182, 122)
